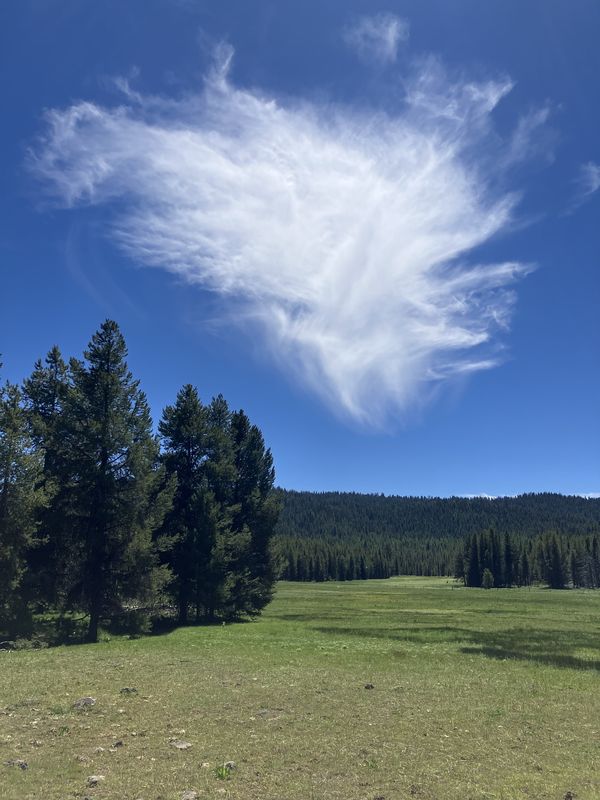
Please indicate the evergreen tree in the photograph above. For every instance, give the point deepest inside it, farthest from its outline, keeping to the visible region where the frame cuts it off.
(576, 569)
(255, 513)
(524, 574)
(225, 510)
(556, 572)
(20, 497)
(459, 567)
(487, 579)
(117, 495)
(509, 560)
(497, 568)
(473, 568)
(49, 561)
(191, 525)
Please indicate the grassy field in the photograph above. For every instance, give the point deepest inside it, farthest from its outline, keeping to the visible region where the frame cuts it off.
(475, 695)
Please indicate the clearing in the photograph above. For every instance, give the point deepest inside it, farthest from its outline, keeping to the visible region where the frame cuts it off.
(475, 694)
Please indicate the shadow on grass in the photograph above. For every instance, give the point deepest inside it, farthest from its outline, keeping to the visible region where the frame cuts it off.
(309, 617)
(550, 647)
(51, 630)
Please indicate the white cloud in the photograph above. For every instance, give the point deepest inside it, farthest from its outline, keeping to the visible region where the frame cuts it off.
(532, 138)
(587, 183)
(377, 37)
(589, 178)
(340, 235)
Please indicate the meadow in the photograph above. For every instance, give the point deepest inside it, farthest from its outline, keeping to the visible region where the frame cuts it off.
(369, 690)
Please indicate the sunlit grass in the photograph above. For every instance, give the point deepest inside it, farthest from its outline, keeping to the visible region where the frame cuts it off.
(476, 695)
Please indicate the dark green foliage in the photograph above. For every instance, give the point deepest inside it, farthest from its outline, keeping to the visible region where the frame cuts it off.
(254, 514)
(509, 572)
(473, 571)
(106, 494)
(487, 579)
(224, 513)
(335, 536)
(49, 562)
(20, 497)
(555, 573)
(93, 519)
(558, 561)
(188, 525)
(117, 496)
(349, 514)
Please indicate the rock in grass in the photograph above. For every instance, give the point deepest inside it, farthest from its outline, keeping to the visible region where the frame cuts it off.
(179, 744)
(94, 780)
(17, 762)
(128, 690)
(190, 794)
(84, 702)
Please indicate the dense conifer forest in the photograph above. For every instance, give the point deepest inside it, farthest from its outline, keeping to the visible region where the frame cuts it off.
(347, 536)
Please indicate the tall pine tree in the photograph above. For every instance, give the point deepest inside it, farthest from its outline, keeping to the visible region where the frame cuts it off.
(20, 497)
(190, 526)
(49, 561)
(225, 510)
(118, 497)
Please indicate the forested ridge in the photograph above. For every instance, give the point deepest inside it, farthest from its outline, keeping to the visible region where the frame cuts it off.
(343, 536)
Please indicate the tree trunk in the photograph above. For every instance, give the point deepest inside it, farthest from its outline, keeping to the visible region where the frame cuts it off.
(183, 608)
(92, 631)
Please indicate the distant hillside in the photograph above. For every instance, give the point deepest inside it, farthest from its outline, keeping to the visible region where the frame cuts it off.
(347, 514)
(340, 535)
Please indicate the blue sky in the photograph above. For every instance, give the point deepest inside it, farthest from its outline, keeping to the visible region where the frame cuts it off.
(373, 227)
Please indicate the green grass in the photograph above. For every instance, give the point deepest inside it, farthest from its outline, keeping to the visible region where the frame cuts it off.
(476, 695)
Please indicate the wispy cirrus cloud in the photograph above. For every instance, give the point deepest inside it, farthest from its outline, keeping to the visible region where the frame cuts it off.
(342, 235)
(586, 184)
(589, 179)
(377, 37)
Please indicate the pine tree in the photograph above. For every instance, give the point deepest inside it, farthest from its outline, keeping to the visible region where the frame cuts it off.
(254, 514)
(459, 567)
(49, 561)
(556, 572)
(224, 513)
(487, 579)
(509, 561)
(191, 525)
(524, 572)
(473, 569)
(117, 494)
(20, 497)
(576, 569)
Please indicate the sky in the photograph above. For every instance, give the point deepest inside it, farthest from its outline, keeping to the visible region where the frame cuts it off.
(374, 227)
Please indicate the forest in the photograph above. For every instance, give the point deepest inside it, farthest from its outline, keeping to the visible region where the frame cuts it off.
(105, 522)
(349, 536)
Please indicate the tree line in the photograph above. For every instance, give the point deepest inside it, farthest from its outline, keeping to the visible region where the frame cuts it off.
(311, 558)
(102, 517)
(488, 559)
(349, 536)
